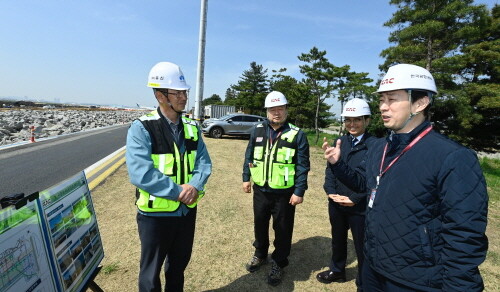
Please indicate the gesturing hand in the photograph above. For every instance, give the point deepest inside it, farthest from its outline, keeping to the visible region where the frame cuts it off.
(332, 154)
(341, 200)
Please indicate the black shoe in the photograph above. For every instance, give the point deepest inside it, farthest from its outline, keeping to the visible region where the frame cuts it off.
(275, 275)
(255, 263)
(328, 276)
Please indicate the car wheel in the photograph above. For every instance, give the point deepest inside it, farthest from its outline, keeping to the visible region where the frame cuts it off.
(216, 132)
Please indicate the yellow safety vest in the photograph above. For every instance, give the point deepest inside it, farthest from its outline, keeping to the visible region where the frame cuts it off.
(275, 165)
(169, 161)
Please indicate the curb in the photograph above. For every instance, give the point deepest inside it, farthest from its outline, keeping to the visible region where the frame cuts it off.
(99, 171)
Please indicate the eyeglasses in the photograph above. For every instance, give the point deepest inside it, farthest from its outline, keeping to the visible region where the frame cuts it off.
(178, 93)
(355, 120)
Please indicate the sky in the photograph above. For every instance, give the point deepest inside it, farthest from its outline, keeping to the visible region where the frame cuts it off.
(100, 52)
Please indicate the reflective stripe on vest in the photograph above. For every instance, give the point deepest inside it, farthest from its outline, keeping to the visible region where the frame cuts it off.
(275, 166)
(190, 129)
(178, 167)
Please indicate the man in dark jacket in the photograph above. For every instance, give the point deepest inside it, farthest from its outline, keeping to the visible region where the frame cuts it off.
(346, 208)
(427, 212)
(277, 160)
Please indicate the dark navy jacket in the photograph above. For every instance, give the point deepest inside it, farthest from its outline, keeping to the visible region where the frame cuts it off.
(426, 229)
(352, 157)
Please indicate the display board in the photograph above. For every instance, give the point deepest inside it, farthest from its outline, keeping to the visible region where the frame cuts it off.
(52, 243)
(25, 262)
(73, 231)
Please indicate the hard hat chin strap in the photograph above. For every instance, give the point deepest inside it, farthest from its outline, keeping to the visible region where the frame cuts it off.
(171, 106)
(179, 112)
(410, 117)
(365, 122)
(407, 121)
(168, 101)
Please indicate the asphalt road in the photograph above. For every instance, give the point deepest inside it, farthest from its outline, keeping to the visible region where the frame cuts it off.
(37, 166)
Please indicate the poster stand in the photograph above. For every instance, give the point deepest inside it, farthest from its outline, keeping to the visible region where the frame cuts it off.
(91, 284)
(25, 261)
(49, 240)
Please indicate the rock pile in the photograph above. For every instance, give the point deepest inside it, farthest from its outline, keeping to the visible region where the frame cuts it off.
(15, 125)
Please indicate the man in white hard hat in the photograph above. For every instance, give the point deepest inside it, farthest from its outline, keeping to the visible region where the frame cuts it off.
(427, 208)
(169, 164)
(277, 160)
(346, 208)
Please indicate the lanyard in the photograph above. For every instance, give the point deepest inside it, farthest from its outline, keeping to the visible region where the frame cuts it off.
(271, 138)
(408, 147)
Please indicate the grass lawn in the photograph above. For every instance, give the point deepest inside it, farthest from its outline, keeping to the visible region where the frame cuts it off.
(224, 235)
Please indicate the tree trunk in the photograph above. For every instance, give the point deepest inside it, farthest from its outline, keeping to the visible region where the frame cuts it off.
(428, 64)
(316, 120)
(341, 129)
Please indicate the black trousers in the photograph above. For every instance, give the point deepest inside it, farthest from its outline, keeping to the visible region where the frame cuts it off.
(341, 221)
(265, 205)
(166, 240)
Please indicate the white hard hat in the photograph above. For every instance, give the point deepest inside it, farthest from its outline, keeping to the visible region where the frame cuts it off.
(167, 75)
(406, 76)
(356, 107)
(275, 98)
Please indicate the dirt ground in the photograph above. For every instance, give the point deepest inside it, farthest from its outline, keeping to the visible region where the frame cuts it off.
(224, 235)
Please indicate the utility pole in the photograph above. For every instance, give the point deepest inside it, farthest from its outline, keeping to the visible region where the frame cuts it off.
(201, 60)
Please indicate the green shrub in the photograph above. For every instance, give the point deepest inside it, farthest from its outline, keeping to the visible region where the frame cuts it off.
(311, 137)
(491, 170)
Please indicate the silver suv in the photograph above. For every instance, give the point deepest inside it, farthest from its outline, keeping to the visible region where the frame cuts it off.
(232, 124)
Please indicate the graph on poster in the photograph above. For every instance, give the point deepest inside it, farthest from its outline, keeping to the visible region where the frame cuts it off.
(49, 240)
(24, 259)
(18, 262)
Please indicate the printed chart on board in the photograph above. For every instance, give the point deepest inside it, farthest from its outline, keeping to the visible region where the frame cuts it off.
(24, 257)
(73, 231)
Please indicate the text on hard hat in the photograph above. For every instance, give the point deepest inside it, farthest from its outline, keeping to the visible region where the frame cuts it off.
(387, 81)
(421, 76)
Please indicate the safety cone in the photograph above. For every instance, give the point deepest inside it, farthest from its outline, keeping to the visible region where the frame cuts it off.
(32, 140)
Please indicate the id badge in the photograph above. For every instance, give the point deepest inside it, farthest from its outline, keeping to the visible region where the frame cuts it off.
(372, 197)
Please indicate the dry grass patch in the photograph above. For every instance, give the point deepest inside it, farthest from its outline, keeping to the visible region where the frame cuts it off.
(115, 211)
(224, 234)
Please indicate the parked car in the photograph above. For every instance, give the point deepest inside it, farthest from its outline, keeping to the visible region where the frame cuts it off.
(232, 124)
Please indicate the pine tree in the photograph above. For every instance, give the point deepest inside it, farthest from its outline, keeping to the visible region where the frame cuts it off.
(479, 93)
(450, 38)
(213, 99)
(251, 89)
(319, 74)
(301, 104)
(230, 96)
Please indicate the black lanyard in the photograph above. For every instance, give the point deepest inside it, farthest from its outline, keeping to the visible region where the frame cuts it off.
(271, 137)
